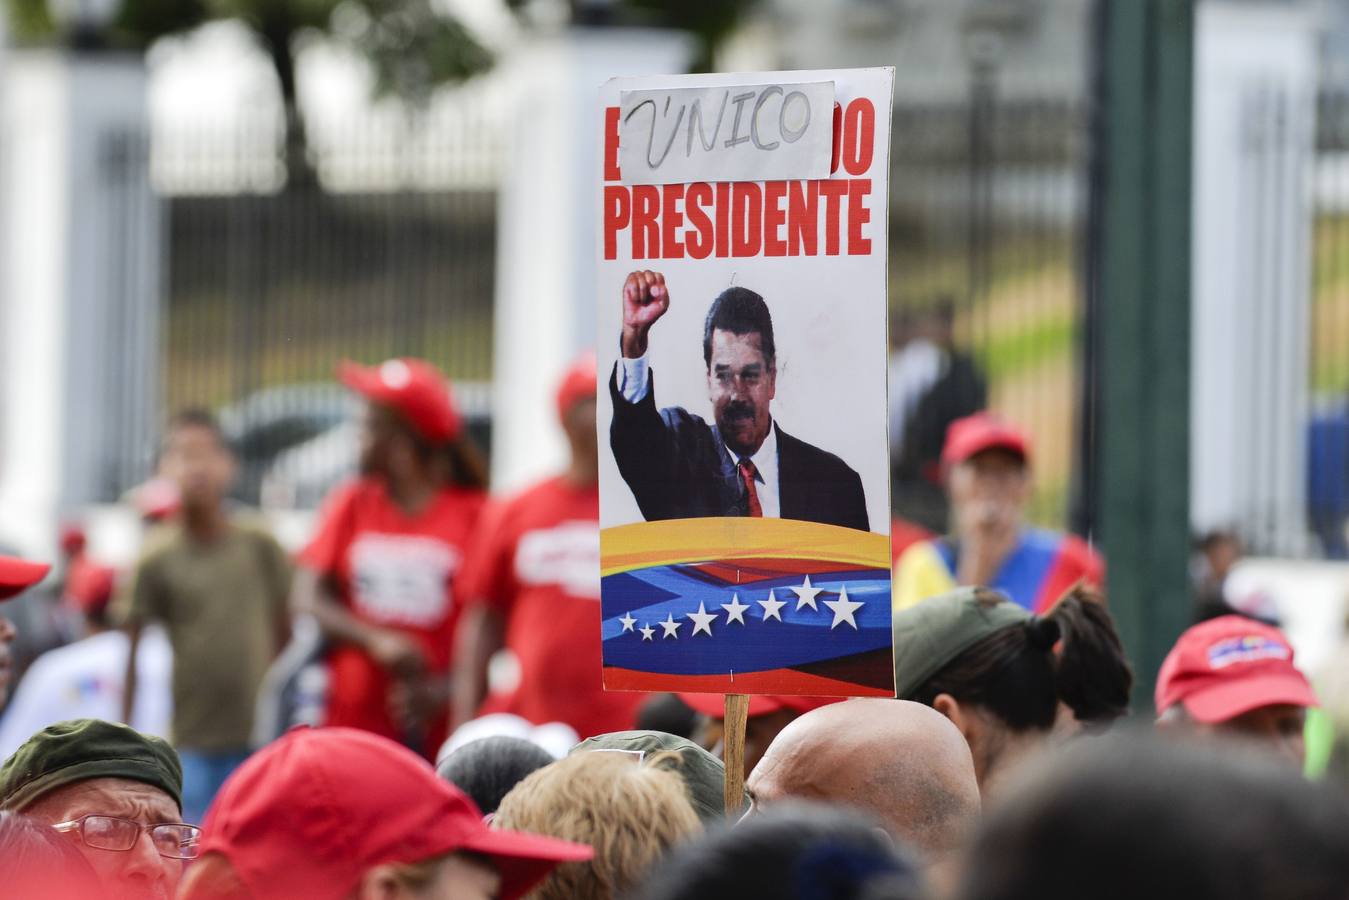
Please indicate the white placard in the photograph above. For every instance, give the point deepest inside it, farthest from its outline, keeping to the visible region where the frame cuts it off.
(742, 343)
(745, 132)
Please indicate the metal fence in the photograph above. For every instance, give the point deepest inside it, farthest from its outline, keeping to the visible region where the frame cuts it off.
(1328, 370)
(384, 248)
(987, 220)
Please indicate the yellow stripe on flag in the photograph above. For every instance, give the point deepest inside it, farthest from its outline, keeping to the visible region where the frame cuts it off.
(644, 545)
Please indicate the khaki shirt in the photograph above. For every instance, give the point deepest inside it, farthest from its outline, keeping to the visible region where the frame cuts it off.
(224, 606)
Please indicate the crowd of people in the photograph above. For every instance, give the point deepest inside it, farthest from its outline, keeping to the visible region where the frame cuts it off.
(1007, 766)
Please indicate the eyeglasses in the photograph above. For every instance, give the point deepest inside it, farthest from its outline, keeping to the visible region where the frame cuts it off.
(172, 840)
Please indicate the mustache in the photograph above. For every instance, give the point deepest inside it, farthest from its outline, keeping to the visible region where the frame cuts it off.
(739, 409)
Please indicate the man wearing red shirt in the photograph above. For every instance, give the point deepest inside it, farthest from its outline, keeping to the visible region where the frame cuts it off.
(533, 586)
(379, 574)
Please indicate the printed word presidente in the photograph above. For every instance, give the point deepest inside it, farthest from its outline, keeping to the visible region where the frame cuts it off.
(744, 218)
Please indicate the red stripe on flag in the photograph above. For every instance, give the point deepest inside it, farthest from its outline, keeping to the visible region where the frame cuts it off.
(775, 681)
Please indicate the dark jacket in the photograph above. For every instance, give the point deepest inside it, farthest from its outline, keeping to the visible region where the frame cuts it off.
(678, 467)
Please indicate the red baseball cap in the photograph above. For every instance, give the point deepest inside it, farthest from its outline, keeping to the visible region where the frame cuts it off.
(73, 538)
(89, 585)
(413, 387)
(714, 705)
(157, 499)
(1228, 666)
(979, 432)
(18, 575)
(309, 814)
(577, 384)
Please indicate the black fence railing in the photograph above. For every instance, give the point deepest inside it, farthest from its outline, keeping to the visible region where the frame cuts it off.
(389, 249)
(988, 204)
(382, 250)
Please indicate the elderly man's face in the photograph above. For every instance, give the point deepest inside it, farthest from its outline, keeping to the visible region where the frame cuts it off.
(7, 634)
(740, 384)
(136, 874)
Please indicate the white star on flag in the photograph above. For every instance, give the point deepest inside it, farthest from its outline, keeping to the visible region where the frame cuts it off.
(671, 626)
(772, 607)
(843, 608)
(805, 595)
(647, 631)
(628, 621)
(702, 620)
(735, 610)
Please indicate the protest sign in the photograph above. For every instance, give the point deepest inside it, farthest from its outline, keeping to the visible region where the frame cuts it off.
(744, 466)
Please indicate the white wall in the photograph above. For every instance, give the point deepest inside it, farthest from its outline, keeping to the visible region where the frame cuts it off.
(75, 285)
(1255, 91)
(546, 225)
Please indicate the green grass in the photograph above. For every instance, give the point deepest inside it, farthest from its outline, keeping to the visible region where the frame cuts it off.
(1007, 355)
(1330, 305)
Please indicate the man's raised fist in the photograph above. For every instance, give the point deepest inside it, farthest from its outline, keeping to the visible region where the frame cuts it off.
(645, 299)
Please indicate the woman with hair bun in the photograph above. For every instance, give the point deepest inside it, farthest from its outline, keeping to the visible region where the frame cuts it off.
(1004, 676)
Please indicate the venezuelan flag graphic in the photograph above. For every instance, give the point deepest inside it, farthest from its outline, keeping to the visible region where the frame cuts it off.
(746, 605)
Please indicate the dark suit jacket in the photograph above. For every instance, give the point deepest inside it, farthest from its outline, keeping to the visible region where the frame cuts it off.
(678, 467)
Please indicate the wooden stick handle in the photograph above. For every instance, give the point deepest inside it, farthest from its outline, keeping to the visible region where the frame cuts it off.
(733, 744)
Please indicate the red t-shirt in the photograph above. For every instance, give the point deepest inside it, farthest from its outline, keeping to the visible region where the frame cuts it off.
(395, 571)
(538, 564)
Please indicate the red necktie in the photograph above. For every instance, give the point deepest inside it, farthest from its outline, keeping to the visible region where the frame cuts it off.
(747, 474)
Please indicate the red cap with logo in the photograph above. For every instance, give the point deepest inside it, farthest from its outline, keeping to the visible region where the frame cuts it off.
(1228, 666)
(979, 432)
(577, 384)
(714, 705)
(414, 388)
(18, 575)
(305, 817)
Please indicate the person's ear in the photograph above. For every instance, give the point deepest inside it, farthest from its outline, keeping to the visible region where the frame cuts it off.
(379, 883)
(960, 717)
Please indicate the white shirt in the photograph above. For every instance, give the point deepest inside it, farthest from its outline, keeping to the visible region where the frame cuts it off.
(84, 680)
(634, 382)
(913, 370)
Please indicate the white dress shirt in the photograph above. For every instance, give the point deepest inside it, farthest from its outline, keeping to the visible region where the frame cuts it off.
(634, 382)
(766, 462)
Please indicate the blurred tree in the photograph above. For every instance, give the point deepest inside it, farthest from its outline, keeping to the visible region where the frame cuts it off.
(709, 21)
(412, 46)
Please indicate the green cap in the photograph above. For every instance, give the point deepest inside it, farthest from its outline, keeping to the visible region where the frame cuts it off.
(82, 749)
(704, 775)
(932, 633)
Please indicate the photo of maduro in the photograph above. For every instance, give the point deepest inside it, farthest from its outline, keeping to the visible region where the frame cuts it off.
(743, 463)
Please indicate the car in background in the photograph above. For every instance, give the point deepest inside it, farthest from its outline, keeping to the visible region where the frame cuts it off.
(264, 425)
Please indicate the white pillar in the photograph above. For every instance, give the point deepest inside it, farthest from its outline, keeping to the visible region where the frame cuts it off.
(547, 224)
(1255, 94)
(79, 283)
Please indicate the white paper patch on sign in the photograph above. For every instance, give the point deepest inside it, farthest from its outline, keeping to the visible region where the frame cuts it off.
(753, 132)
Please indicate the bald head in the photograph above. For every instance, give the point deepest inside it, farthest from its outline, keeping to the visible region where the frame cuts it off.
(902, 762)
